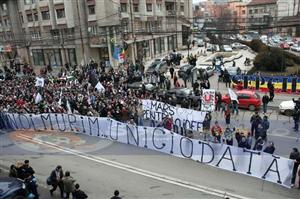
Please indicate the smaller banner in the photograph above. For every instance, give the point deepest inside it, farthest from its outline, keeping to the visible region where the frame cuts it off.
(232, 94)
(208, 100)
(39, 82)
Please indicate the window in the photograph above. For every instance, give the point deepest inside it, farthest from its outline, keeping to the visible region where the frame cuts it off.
(135, 7)
(36, 16)
(158, 7)
(45, 15)
(181, 7)
(123, 7)
(38, 57)
(21, 18)
(149, 7)
(69, 33)
(29, 17)
(60, 13)
(250, 11)
(255, 11)
(72, 56)
(36, 35)
(243, 12)
(55, 34)
(93, 30)
(4, 7)
(91, 9)
(6, 22)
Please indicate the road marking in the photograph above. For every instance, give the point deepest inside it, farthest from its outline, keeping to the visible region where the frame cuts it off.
(142, 172)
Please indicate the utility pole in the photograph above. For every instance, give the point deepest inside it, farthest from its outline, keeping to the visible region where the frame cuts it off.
(80, 32)
(176, 24)
(132, 32)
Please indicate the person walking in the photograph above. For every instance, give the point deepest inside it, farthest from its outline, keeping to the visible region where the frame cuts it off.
(255, 120)
(295, 156)
(271, 91)
(266, 125)
(116, 195)
(68, 182)
(78, 194)
(171, 70)
(56, 180)
(296, 118)
(265, 101)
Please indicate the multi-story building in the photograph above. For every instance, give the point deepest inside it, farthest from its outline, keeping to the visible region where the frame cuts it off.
(261, 14)
(56, 32)
(238, 10)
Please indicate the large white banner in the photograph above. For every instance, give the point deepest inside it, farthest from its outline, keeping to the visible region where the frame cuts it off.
(182, 117)
(208, 100)
(261, 165)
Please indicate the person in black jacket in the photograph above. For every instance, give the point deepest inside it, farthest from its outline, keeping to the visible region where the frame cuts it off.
(116, 195)
(171, 71)
(265, 101)
(295, 155)
(78, 194)
(25, 169)
(270, 148)
(56, 180)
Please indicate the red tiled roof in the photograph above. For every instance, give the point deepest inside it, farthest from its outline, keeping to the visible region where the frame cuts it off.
(260, 2)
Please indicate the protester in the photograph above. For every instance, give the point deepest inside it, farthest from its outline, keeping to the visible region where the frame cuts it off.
(265, 124)
(25, 169)
(206, 125)
(258, 146)
(271, 91)
(56, 180)
(270, 148)
(265, 101)
(255, 120)
(227, 115)
(296, 118)
(295, 156)
(68, 182)
(13, 171)
(78, 194)
(228, 135)
(116, 195)
(216, 132)
(235, 106)
(31, 186)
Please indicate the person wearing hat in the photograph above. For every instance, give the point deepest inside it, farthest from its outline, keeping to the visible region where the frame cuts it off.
(56, 180)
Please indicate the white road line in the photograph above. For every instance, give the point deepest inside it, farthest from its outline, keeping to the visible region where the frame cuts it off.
(156, 176)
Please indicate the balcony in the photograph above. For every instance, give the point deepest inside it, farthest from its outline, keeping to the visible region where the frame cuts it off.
(92, 17)
(29, 7)
(46, 23)
(58, 1)
(61, 21)
(170, 13)
(97, 41)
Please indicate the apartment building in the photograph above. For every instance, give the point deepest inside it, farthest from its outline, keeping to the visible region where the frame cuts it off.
(56, 32)
(261, 14)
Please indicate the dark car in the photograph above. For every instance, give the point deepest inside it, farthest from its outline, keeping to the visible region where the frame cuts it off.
(182, 93)
(158, 66)
(12, 188)
(185, 70)
(138, 86)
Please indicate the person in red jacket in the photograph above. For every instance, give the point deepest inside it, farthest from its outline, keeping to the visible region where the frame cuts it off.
(216, 132)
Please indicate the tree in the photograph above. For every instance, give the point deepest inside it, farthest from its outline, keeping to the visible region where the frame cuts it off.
(270, 60)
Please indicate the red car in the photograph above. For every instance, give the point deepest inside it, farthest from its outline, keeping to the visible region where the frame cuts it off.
(247, 99)
(284, 46)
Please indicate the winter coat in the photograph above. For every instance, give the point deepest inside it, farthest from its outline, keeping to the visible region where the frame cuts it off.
(68, 184)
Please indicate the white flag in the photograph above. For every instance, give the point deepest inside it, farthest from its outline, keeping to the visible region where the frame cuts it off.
(232, 94)
(38, 98)
(39, 81)
(100, 87)
(69, 108)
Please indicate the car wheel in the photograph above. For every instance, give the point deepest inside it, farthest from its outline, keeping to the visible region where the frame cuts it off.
(288, 112)
(252, 108)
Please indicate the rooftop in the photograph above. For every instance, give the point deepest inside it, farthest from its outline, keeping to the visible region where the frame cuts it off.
(261, 2)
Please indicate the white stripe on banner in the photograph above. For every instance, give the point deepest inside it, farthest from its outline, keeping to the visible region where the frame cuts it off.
(261, 165)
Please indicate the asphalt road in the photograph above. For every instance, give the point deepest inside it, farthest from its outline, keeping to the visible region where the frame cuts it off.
(101, 166)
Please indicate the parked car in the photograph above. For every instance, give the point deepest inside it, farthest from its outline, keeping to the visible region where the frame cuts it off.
(200, 42)
(12, 188)
(237, 46)
(138, 86)
(185, 70)
(158, 66)
(180, 93)
(247, 99)
(285, 46)
(227, 48)
(287, 107)
(296, 48)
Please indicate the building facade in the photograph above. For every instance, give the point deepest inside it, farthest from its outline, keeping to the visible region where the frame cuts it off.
(261, 15)
(56, 32)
